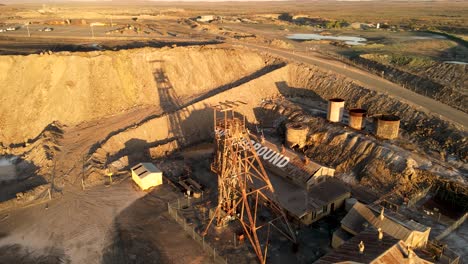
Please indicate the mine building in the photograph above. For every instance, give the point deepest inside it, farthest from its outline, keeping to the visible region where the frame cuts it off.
(290, 164)
(374, 246)
(362, 216)
(306, 190)
(146, 175)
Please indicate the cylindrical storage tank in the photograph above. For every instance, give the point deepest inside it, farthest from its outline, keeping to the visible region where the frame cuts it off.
(349, 203)
(387, 126)
(335, 109)
(357, 118)
(296, 135)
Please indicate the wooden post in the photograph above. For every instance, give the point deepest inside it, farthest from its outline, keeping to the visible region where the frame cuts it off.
(82, 170)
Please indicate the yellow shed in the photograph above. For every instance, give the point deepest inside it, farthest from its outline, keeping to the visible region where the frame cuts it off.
(146, 175)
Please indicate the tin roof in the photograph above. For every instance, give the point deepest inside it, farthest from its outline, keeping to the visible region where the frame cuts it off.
(387, 250)
(299, 202)
(296, 170)
(144, 169)
(361, 216)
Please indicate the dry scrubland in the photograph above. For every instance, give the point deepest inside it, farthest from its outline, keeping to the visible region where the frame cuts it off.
(444, 14)
(419, 65)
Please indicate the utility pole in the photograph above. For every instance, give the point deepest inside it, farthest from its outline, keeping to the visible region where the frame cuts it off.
(92, 31)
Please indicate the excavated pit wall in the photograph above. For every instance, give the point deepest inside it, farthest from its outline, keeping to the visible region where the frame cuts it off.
(157, 137)
(357, 157)
(184, 127)
(77, 87)
(431, 133)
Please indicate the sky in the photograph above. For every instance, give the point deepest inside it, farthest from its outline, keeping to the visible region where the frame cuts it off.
(58, 1)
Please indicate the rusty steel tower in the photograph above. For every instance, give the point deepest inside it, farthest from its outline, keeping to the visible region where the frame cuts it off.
(243, 184)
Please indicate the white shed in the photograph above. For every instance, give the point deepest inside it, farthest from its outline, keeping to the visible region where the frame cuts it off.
(146, 175)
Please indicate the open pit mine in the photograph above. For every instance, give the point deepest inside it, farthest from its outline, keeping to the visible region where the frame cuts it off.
(220, 153)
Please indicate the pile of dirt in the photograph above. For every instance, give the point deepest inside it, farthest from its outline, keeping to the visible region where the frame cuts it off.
(439, 138)
(421, 133)
(372, 162)
(76, 87)
(441, 81)
(35, 156)
(181, 84)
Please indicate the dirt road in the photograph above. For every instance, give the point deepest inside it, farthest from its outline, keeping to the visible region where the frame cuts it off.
(117, 225)
(373, 82)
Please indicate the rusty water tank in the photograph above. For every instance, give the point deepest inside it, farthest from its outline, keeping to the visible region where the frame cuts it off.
(335, 109)
(296, 135)
(357, 118)
(387, 126)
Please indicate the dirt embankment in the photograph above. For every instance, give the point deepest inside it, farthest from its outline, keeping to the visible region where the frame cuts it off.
(441, 81)
(359, 157)
(192, 124)
(181, 84)
(76, 87)
(437, 137)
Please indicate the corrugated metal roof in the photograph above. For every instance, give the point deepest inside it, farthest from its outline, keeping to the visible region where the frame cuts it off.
(299, 201)
(328, 191)
(296, 170)
(388, 250)
(410, 224)
(144, 169)
(361, 214)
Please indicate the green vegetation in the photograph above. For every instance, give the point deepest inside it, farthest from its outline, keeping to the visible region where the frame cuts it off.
(337, 24)
(285, 17)
(401, 60)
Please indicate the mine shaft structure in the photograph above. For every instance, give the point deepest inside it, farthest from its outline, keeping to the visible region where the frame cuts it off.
(243, 184)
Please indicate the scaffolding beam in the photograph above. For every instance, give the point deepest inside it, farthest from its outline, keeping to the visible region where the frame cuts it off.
(243, 184)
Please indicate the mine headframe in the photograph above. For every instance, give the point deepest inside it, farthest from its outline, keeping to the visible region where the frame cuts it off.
(243, 184)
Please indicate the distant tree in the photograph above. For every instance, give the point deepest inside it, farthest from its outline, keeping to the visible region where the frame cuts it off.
(330, 24)
(337, 24)
(343, 23)
(285, 17)
(134, 18)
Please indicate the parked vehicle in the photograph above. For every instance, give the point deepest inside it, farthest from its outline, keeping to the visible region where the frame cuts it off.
(46, 29)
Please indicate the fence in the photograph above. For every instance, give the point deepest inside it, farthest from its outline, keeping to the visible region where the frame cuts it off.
(454, 226)
(419, 196)
(442, 253)
(173, 209)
